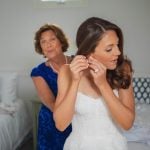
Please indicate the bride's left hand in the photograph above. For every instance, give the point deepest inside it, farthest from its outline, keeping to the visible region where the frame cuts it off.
(98, 70)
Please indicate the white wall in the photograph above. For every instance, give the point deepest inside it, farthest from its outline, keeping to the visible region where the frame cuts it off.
(19, 19)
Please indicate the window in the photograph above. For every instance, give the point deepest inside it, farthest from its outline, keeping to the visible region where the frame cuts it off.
(60, 3)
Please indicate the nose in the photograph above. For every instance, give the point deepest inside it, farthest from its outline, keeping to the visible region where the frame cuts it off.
(49, 44)
(117, 51)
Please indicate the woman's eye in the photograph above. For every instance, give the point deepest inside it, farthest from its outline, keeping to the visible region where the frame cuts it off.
(53, 39)
(42, 42)
(109, 49)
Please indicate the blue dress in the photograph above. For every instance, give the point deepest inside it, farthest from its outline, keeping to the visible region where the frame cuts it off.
(49, 138)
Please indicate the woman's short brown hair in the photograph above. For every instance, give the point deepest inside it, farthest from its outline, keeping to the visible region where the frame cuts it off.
(57, 31)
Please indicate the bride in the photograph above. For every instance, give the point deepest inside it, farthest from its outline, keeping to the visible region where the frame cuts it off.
(95, 91)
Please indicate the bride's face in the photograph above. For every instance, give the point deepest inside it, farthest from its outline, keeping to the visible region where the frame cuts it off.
(107, 50)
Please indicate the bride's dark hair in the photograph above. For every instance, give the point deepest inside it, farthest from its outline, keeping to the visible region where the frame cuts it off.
(89, 33)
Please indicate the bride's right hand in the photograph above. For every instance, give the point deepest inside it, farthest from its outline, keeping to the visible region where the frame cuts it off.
(77, 66)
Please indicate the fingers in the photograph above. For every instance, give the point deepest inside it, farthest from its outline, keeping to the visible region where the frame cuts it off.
(95, 65)
(79, 63)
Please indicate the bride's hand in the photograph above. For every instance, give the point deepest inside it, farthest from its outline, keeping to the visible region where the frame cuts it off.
(77, 66)
(98, 70)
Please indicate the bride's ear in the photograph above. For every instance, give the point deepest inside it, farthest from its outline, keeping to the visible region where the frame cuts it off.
(90, 55)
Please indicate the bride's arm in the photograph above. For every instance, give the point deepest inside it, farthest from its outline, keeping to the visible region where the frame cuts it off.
(68, 82)
(65, 101)
(122, 107)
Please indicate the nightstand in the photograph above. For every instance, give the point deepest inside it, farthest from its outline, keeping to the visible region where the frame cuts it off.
(36, 104)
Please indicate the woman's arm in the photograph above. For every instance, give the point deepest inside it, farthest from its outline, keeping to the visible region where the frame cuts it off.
(44, 92)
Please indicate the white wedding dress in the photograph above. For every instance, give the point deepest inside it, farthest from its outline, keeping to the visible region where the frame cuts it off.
(93, 128)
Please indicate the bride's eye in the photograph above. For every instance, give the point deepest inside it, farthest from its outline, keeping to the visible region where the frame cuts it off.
(108, 49)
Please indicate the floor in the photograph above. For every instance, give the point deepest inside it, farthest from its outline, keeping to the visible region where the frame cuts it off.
(27, 144)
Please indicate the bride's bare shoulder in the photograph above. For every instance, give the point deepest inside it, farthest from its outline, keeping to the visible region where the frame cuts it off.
(65, 69)
(64, 74)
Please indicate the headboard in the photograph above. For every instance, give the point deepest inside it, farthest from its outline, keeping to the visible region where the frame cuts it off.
(141, 89)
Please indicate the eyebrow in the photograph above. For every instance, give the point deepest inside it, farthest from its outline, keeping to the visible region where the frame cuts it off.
(109, 45)
(113, 44)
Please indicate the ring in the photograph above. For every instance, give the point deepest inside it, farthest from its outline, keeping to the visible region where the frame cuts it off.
(96, 70)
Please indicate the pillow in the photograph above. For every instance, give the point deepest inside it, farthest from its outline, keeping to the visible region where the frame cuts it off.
(8, 87)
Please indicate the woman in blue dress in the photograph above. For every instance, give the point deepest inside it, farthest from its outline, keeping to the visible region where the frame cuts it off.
(51, 42)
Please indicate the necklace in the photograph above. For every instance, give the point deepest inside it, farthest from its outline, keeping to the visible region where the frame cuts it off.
(58, 67)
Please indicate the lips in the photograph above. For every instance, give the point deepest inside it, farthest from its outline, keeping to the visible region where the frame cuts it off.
(49, 51)
(114, 60)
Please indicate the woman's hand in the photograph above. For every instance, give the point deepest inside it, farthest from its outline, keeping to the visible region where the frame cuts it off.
(77, 66)
(98, 70)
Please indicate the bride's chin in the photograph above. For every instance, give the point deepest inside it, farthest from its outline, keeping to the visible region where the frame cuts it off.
(112, 67)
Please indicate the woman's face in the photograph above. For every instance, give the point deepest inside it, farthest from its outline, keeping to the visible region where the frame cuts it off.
(50, 44)
(107, 50)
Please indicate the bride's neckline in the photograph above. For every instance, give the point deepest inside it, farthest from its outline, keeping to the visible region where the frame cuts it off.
(90, 96)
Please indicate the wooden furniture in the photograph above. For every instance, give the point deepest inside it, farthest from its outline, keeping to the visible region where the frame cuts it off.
(36, 104)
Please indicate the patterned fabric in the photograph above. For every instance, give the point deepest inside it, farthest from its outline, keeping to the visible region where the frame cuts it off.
(49, 138)
(142, 89)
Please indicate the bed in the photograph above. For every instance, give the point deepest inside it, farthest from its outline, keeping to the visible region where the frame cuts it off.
(138, 136)
(15, 113)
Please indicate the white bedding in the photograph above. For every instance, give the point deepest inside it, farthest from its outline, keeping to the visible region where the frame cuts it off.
(139, 135)
(137, 146)
(14, 127)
